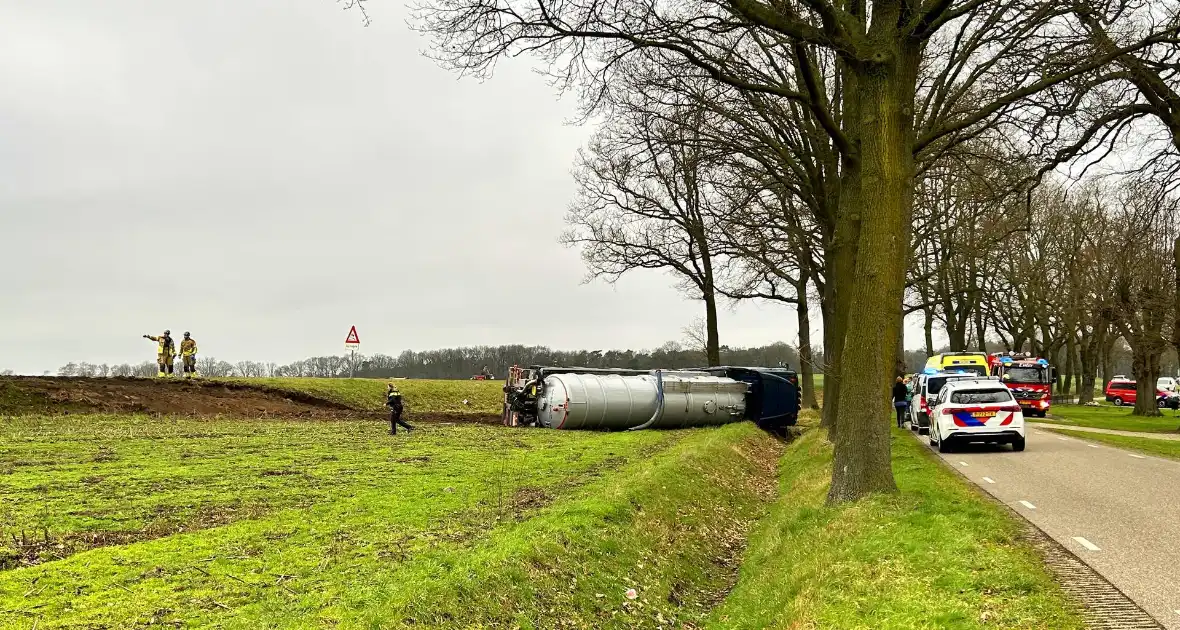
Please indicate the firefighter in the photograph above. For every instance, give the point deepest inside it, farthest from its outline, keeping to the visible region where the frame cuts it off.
(188, 355)
(166, 352)
(393, 400)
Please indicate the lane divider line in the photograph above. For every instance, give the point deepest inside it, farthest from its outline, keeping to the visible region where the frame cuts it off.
(1087, 544)
(1136, 456)
(1028, 505)
(1093, 445)
(989, 480)
(1063, 439)
(962, 463)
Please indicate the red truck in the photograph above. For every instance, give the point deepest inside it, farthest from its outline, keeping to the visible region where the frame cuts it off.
(1029, 378)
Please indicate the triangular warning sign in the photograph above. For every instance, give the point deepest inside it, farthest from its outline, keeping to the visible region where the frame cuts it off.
(352, 336)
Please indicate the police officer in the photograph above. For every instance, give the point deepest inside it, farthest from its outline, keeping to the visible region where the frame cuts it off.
(393, 400)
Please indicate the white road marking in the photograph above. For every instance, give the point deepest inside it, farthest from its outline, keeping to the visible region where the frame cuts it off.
(962, 463)
(1087, 544)
(1092, 445)
(989, 480)
(1136, 456)
(1063, 439)
(1028, 505)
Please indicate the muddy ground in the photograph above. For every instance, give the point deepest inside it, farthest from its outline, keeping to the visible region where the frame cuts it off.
(62, 395)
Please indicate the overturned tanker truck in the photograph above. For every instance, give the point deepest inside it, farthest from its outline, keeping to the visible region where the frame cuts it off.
(628, 400)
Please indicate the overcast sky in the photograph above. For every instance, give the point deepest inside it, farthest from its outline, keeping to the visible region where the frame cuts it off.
(268, 174)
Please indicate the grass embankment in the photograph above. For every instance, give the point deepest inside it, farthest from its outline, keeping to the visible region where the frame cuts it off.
(421, 396)
(1110, 417)
(127, 520)
(1162, 448)
(936, 555)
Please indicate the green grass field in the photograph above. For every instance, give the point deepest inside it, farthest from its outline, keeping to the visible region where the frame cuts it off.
(1162, 448)
(135, 520)
(121, 520)
(1111, 417)
(425, 396)
(937, 555)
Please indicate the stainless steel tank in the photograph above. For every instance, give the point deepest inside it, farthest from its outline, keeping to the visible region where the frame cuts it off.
(615, 402)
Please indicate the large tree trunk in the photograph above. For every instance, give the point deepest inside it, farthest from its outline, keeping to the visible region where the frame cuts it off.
(1067, 386)
(1107, 350)
(928, 330)
(1145, 365)
(712, 336)
(806, 369)
(840, 260)
(1089, 359)
(861, 464)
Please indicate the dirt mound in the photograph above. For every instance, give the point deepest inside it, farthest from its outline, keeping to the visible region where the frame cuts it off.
(56, 395)
(143, 395)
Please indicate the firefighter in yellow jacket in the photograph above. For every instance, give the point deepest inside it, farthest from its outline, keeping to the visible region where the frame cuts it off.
(166, 352)
(188, 355)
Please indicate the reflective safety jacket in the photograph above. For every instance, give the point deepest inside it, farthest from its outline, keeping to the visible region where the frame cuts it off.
(167, 346)
(188, 347)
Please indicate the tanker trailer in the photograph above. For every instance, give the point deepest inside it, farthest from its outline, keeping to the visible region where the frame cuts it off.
(605, 399)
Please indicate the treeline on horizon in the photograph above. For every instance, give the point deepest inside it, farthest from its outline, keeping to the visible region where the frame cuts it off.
(463, 363)
(458, 363)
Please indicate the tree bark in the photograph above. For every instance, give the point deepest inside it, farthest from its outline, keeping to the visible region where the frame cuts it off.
(840, 259)
(928, 330)
(861, 463)
(1145, 365)
(1067, 386)
(806, 369)
(713, 340)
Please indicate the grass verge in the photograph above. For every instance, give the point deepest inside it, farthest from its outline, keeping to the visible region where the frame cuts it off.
(1110, 417)
(1162, 448)
(246, 524)
(421, 396)
(936, 555)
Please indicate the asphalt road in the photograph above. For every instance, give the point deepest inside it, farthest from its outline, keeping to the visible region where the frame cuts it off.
(1117, 511)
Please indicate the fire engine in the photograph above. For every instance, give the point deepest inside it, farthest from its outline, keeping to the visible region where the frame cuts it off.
(1030, 379)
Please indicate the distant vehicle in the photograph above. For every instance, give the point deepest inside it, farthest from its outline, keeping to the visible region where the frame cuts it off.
(971, 362)
(924, 389)
(976, 410)
(1123, 391)
(1166, 383)
(1030, 379)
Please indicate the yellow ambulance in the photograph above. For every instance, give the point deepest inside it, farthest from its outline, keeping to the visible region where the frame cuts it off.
(973, 362)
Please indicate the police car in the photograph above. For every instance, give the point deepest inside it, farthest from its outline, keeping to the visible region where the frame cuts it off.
(976, 410)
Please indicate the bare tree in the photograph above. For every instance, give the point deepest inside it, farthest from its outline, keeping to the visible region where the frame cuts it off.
(646, 202)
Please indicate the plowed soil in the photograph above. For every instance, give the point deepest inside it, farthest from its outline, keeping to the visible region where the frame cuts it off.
(174, 396)
(21, 395)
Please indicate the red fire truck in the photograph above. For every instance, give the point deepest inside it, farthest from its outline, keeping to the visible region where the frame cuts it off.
(1030, 379)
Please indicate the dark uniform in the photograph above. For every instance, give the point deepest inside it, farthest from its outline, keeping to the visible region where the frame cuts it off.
(393, 400)
(900, 402)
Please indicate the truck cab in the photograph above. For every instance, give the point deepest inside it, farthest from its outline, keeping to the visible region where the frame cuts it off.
(1029, 378)
(970, 362)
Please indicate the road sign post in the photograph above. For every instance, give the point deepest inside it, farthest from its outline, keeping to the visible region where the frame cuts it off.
(352, 343)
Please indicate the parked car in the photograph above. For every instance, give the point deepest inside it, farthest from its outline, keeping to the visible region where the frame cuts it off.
(1166, 383)
(1123, 391)
(976, 410)
(925, 388)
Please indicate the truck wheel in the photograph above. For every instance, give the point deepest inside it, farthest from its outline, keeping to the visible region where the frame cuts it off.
(1018, 444)
(1118, 402)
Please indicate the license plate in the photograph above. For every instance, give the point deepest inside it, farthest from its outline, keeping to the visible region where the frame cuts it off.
(983, 414)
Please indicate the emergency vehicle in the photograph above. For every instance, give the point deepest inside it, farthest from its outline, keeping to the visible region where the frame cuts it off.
(1030, 379)
(976, 410)
(973, 362)
(924, 389)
